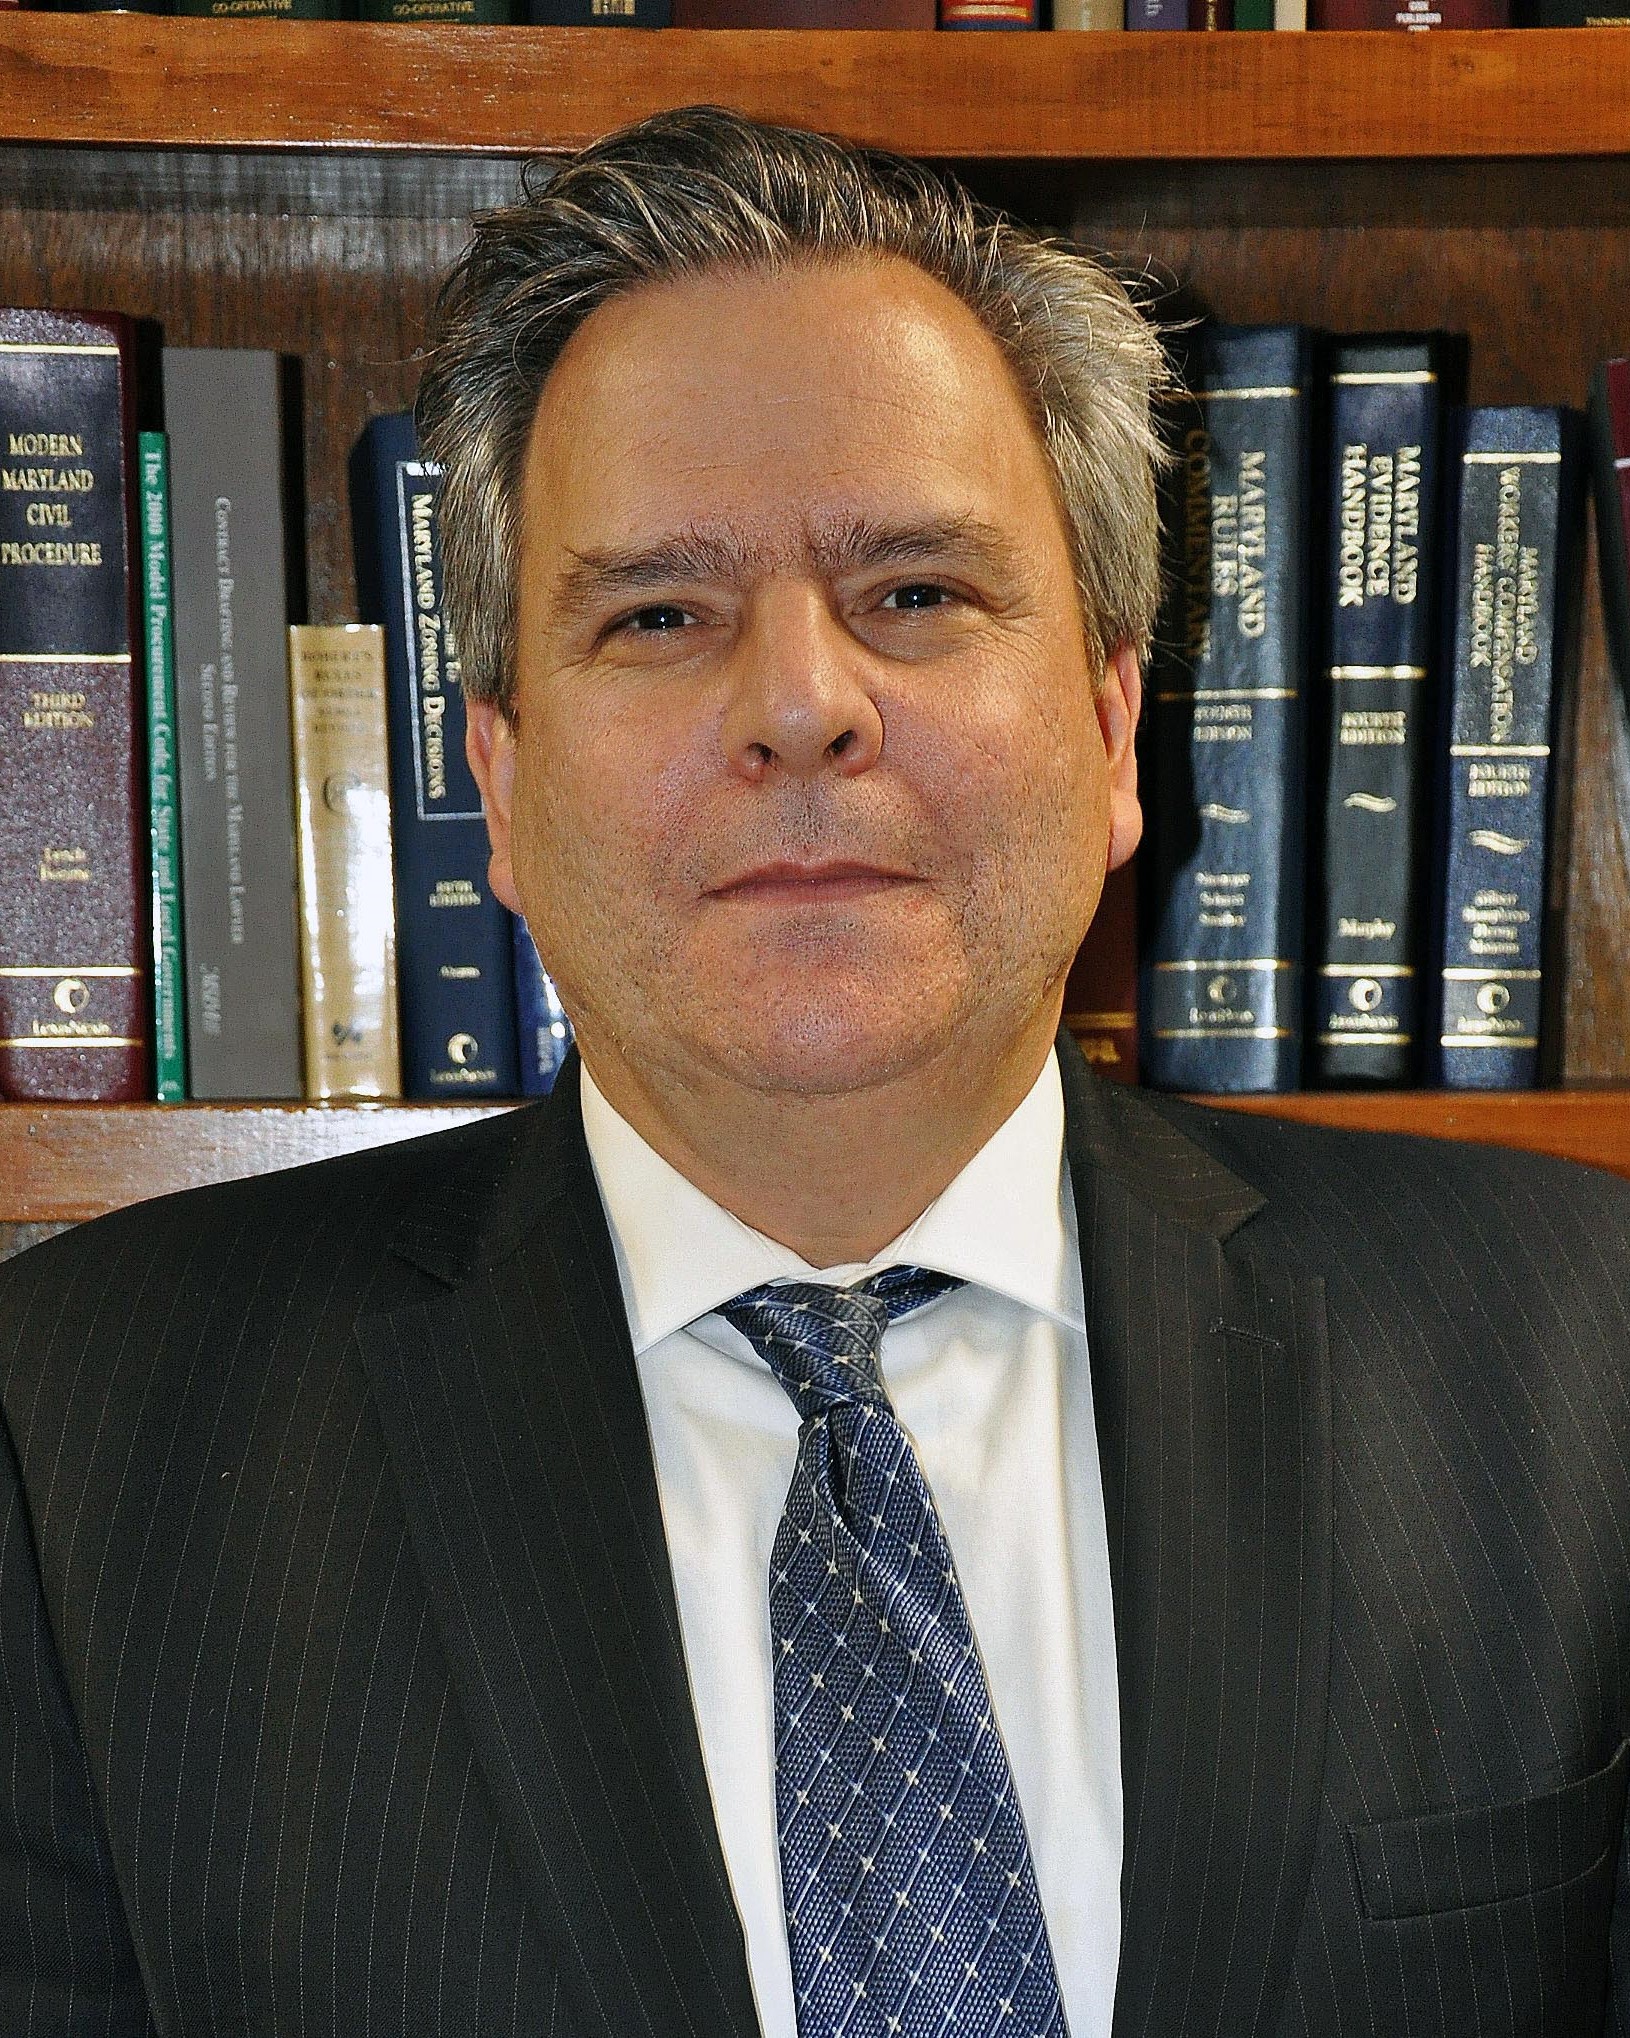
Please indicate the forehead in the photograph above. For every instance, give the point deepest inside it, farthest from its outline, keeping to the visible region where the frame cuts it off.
(784, 400)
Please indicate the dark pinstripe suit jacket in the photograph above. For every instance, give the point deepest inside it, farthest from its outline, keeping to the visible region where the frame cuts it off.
(340, 1677)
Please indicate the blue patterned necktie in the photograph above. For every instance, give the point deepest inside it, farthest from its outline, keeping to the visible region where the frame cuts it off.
(912, 1909)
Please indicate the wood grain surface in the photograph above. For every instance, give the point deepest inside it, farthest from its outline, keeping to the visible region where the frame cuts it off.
(62, 1163)
(1592, 1126)
(110, 80)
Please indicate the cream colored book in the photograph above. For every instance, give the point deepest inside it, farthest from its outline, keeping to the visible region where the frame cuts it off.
(1089, 13)
(343, 844)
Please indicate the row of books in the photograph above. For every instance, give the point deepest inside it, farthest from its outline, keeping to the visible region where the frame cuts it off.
(1415, 16)
(238, 858)
(1355, 787)
(227, 871)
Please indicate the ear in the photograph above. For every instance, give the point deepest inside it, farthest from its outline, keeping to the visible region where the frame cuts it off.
(489, 744)
(1119, 703)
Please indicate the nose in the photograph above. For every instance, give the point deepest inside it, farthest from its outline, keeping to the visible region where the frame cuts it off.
(801, 698)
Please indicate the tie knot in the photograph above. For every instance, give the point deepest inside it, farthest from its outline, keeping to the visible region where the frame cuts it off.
(824, 1343)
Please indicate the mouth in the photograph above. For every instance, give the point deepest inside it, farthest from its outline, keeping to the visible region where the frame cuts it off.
(809, 884)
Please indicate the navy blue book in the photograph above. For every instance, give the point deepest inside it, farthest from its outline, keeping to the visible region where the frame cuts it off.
(1378, 709)
(1220, 999)
(540, 1017)
(1521, 502)
(454, 951)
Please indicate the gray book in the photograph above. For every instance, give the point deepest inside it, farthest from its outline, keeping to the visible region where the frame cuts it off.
(223, 413)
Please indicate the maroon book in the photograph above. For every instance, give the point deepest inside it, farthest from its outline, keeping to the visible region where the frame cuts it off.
(74, 1013)
(1415, 15)
(1101, 993)
(803, 13)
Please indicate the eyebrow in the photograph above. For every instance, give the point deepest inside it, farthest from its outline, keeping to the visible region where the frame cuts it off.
(847, 545)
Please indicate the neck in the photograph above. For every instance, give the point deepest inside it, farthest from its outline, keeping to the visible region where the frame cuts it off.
(834, 1178)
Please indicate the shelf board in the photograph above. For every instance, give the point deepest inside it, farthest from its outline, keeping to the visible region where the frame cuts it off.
(1592, 1126)
(62, 1163)
(140, 80)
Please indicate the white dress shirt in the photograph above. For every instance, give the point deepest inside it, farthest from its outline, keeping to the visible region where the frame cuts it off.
(991, 1382)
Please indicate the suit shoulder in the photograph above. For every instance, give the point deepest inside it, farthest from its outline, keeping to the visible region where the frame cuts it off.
(231, 1251)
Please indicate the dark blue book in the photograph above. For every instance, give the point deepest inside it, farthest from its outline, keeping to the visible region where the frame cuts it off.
(1520, 509)
(1220, 999)
(540, 1017)
(454, 950)
(1378, 709)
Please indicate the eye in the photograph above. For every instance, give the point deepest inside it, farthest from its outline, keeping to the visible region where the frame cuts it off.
(656, 620)
(917, 594)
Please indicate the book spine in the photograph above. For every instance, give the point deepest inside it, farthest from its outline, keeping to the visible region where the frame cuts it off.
(469, 13)
(343, 837)
(262, 10)
(1220, 989)
(1157, 14)
(230, 562)
(1101, 991)
(455, 959)
(1413, 16)
(95, 6)
(1290, 14)
(1253, 14)
(540, 1017)
(600, 13)
(163, 811)
(1079, 15)
(75, 1020)
(1378, 713)
(1572, 14)
(1517, 520)
(961, 14)
(1610, 475)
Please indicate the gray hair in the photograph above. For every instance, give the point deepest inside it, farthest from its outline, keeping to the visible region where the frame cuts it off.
(703, 189)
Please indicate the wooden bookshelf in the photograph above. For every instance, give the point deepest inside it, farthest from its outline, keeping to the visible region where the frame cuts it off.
(304, 186)
(63, 1163)
(149, 81)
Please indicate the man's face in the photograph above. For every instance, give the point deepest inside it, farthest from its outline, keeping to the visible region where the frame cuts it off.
(808, 783)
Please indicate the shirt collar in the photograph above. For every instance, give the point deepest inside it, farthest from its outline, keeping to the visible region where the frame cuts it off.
(1000, 1224)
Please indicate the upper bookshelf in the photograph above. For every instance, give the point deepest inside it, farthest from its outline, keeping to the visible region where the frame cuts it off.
(135, 80)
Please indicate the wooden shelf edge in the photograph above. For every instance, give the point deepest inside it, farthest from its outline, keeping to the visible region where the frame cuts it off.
(138, 80)
(1592, 1126)
(63, 1163)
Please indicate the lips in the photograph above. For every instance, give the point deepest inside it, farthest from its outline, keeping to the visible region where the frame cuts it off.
(809, 883)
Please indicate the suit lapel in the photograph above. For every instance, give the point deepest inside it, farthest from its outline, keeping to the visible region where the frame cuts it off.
(1211, 1393)
(513, 1415)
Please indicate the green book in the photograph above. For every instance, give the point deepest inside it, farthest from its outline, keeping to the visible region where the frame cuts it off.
(484, 12)
(1253, 13)
(265, 10)
(164, 821)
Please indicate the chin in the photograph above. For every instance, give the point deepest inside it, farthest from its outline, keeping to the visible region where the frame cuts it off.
(831, 1044)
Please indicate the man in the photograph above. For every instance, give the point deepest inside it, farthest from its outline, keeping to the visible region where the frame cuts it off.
(834, 1523)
